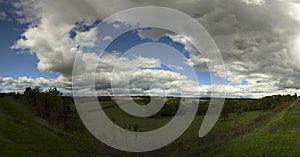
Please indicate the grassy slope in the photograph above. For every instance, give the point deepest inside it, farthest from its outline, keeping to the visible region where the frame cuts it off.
(277, 137)
(22, 135)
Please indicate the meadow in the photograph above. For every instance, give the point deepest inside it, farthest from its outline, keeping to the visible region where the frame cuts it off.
(30, 126)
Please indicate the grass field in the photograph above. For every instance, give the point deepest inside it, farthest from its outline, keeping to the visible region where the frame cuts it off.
(23, 134)
(146, 124)
(277, 137)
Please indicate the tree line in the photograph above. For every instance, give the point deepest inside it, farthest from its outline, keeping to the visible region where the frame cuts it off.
(52, 106)
(239, 106)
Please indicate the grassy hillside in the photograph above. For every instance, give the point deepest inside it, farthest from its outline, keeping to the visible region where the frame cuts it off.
(278, 137)
(22, 134)
(271, 132)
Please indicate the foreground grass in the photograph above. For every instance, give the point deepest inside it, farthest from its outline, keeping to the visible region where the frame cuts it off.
(22, 134)
(277, 137)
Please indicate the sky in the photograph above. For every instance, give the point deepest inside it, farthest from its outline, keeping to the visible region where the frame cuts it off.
(259, 41)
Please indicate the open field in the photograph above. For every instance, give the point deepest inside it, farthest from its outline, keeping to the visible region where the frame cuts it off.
(277, 137)
(252, 133)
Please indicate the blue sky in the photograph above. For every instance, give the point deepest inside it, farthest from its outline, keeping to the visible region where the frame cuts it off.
(16, 63)
(23, 63)
(260, 50)
(132, 39)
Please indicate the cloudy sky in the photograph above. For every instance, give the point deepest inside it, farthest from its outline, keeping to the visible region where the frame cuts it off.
(259, 41)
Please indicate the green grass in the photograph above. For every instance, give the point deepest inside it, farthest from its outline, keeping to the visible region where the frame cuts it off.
(277, 137)
(146, 124)
(236, 120)
(123, 119)
(19, 134)
(22, 135)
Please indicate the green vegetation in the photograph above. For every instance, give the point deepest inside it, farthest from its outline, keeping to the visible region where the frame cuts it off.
(22, 135)
(46, 124)
(277, 137)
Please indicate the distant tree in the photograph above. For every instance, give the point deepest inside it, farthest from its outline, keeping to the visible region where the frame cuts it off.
(238, 108)
(12, 94)
(18, 96)
(37, 90)
(202, 108)
(3, 95)
(146, 100)
(295, 95)
(53, 105)
(104, 98)
(170, 108)
(27, 91)
(227, 109)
